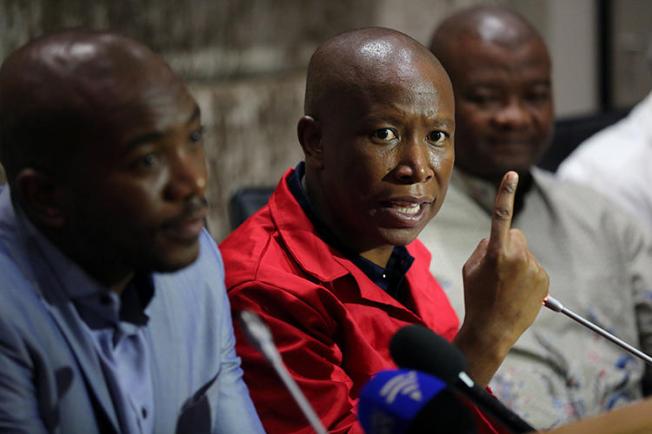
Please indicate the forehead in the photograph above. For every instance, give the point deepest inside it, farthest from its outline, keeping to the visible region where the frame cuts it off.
(421, 85)
(478, 59)
(384, 59)
(138, 112)
(159, 105)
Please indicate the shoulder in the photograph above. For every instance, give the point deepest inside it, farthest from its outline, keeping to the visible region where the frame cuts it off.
(253, 248)
(263, 271)
(571, 194)
(18, 290)
(27, 329)
(590, 209)
(615, 151)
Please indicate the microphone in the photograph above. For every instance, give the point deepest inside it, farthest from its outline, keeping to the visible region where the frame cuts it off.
(416, 347)
(260, 337)
(402, 401)
(555, 305)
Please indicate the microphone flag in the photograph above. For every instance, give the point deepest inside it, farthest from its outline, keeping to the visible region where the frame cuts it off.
(391, 400)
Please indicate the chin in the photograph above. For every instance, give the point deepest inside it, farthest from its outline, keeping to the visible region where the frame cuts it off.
(399, 237)
(171, 261)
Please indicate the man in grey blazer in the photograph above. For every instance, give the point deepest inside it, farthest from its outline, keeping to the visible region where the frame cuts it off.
(113, 314)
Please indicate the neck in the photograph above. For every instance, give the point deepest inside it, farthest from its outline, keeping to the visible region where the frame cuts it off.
(379, 255)
(525, 183)
(108, 271)
(119, 287)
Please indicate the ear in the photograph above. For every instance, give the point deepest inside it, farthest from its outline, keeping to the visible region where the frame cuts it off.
(309, 133)
(41, 196)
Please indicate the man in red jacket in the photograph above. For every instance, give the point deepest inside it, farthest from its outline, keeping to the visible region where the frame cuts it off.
(331, 262)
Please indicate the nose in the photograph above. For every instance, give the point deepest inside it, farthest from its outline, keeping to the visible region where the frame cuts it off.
(512, 115)
(414, 165)
(188, 176)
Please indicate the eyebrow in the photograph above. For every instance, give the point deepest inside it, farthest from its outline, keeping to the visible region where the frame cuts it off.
(157, 135)
(445, 123)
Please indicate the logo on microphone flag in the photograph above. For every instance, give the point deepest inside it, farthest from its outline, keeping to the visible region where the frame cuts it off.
(390, 401)
(402, 384)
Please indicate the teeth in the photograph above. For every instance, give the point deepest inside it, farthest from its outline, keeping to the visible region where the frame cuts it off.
(412, 209)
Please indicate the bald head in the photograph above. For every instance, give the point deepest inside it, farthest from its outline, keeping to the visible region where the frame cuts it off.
(500, 69)
(359, 59)
(58, 90)
(489, 24)
(377, 137)
(103, 151)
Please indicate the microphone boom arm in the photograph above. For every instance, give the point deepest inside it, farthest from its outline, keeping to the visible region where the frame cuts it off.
(556, 306)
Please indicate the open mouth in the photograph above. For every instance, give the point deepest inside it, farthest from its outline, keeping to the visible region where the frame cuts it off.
(412, 209)
(404, 213)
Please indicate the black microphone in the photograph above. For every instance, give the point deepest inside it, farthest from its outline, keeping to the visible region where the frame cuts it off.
(416, 347)
(402, 401)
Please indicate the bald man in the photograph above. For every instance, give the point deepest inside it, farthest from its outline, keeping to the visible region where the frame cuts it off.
(331, 262)
(113, 311)
(598, 259)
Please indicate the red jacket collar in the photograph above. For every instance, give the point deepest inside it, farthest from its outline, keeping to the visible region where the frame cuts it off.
(316, 257)
(319, 259)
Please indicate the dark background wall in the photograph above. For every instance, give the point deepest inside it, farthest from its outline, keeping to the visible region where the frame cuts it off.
(245, 61)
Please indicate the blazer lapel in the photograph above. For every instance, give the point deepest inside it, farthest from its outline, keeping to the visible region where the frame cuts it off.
(83, 350)
(70, 324)
(30, 260)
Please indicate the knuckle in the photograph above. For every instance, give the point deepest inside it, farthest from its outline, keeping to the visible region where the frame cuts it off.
(509, 187)
(518, 238)
(518, 234)
(502, 213)
(495, 253)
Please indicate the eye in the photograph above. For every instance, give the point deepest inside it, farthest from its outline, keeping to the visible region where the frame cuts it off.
(538, 96)
(385, 134)
(197, 135)
(437, 137)
(484, 97)
(146, 162)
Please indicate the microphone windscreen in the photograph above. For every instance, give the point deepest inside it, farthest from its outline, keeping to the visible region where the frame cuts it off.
(410, 402)
(416, 347)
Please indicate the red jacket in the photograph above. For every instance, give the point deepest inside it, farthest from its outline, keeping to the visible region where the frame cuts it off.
(331, 323)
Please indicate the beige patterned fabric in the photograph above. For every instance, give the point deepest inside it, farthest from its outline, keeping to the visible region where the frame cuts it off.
(600, 265)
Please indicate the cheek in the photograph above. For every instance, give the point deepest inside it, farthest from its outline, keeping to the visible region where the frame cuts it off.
(468, 130)
(134, 201)
(366, 166)
(544, 119)
(442, 159)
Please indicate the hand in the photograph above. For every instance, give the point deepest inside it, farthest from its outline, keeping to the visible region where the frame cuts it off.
(504, 288)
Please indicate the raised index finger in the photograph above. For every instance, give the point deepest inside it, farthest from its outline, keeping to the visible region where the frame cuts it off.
(501, 219)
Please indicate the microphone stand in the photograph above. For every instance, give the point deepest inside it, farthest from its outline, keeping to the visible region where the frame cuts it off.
(260, 337)
(556, 306)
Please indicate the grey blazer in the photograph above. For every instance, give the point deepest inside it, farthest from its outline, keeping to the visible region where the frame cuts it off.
(51, 379)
